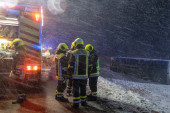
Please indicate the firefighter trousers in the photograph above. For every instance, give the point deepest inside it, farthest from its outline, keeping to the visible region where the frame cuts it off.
(79, 90)
(20, 88)
(70, 81)
(61, 85)
(93, 85)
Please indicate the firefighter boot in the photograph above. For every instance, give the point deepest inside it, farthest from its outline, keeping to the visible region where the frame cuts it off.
(69, 92)
(84, 103)
(61, 99)
(76, 105)
(91, 98)
(20, 100)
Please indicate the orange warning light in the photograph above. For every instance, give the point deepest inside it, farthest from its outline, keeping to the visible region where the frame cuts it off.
(37, 17)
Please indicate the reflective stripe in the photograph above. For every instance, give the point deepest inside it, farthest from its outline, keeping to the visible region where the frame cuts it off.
(21, 94)
(75, 67)
(59, 95)
(29, 38)
(87, 63)
(94, 75)
(21, 97)
(60, 70)
(76, 98)
(80, 77)
(83, 97)
(97, 73)
(29, 33)
(58, 57)
(77, 101)
(95, 95)
(94, 92)
(30, 22)
(76, 54)
(36, 33)
(59, 78)
(68, 87)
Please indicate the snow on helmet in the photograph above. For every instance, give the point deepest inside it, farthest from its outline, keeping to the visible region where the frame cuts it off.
(63, 46)
(78, 41)
(89, 47)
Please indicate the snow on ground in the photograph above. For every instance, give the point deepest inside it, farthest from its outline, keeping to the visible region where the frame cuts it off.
(145, 95)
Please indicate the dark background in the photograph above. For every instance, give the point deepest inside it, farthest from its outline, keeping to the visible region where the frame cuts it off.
(128, 28)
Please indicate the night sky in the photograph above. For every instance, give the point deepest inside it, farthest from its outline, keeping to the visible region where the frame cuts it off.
(128, 28)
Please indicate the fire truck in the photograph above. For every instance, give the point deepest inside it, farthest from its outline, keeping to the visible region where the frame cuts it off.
(24, 22)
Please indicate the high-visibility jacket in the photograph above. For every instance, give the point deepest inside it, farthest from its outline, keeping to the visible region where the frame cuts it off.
(61, 65)
(68, 54)
(94, 64)
(78, 63)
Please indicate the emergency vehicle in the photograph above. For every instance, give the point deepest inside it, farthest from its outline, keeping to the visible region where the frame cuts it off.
(24, 22)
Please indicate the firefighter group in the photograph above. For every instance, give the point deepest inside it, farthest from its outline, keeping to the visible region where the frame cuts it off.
(74, 68)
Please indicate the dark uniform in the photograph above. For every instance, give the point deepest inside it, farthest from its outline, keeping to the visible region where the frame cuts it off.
(61, 71)
(70, 80)
(17, 69)
(78, 63)
(93, 74)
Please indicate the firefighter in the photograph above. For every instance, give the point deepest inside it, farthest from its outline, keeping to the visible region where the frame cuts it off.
(70, 80)
(61, 71)
(18, 59)
(78, 64)
(93, 72)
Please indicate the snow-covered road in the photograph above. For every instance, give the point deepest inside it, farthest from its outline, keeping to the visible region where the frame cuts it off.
(144, 95)
(117, 92)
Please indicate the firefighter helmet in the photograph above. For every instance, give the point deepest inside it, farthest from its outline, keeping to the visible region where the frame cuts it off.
(78, 41)
(17, 42)
(63, 46)
(89, 47)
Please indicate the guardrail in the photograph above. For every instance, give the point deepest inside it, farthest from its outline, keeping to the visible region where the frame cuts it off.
(156, 70)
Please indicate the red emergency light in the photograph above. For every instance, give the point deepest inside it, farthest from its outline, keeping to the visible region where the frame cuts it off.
(34, 68)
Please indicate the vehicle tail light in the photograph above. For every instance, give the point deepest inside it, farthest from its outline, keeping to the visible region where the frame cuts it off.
(29, 68)
(35, 68)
